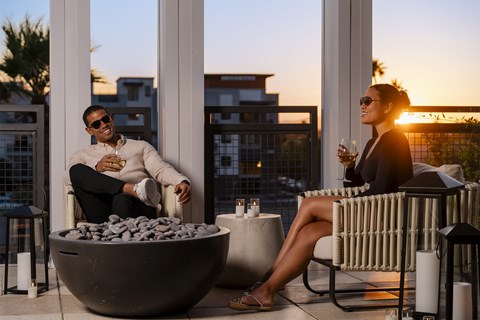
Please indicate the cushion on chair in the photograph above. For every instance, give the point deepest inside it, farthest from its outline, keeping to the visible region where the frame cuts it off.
(323, 248)
(453, 170)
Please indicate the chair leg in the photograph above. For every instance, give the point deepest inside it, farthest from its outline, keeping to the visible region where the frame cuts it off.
(333, 292)
(309, 288)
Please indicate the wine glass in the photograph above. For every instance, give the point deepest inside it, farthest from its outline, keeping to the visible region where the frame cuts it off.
(122, 161)
(346, 153)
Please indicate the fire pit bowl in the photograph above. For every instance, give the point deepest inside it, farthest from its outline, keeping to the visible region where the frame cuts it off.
(140, 278)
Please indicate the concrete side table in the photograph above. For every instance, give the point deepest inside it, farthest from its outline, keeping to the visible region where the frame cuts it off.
(254, 245)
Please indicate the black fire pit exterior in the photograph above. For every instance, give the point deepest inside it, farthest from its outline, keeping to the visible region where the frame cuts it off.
(140, 278)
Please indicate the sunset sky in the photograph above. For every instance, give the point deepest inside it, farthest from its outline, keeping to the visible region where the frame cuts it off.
(430, 46)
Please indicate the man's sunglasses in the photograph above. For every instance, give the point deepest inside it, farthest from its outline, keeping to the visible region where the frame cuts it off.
(97, 123)
(367, 100)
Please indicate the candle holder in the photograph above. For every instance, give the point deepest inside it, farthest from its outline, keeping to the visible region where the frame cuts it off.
(255, 204)
(24, 220)
(455, 235)
(239, 207)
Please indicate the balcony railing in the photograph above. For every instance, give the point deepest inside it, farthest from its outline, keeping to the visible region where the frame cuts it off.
(452, 137)
(250, 154)
(22, 160)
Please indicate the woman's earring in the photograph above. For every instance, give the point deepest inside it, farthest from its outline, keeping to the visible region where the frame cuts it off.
(389, 108)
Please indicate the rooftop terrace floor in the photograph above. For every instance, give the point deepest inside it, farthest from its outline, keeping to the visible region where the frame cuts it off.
(293, 302)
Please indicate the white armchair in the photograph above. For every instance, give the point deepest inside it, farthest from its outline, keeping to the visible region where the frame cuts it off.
(74, 214)
(367, 233)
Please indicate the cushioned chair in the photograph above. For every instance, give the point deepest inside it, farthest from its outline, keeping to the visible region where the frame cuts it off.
(367, 233)
(75, 216)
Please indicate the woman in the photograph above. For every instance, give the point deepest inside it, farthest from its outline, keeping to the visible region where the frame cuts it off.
(385, 165)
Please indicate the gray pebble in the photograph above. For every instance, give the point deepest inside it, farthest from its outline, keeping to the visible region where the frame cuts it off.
(115, 228)
(141, 229)
(162, 228)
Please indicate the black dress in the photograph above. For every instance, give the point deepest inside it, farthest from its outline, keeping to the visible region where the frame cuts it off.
(387, 167)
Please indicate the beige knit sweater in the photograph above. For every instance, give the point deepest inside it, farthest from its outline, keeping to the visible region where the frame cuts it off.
(142, 161)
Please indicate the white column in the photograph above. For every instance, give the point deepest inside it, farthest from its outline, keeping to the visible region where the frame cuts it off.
(180, 97)
(70, 93)
(346, 74)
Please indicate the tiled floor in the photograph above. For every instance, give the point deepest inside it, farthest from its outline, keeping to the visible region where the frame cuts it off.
(294, 302)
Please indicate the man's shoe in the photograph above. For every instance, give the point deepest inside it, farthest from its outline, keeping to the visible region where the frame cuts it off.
(147, 192)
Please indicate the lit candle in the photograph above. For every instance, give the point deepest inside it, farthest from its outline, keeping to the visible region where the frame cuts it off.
(33, 290)
(239, 208)
(255, 202)
(391, 314)
(23, 271)
(407, 314)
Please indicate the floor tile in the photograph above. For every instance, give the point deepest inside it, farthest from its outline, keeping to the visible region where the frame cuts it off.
(56, 316)
(329, 311)
(74, 309)
(15, 304)
(278, 312)
(93, 316)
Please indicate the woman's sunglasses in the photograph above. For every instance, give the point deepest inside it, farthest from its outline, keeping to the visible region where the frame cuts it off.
(367, 100)
(97, 123)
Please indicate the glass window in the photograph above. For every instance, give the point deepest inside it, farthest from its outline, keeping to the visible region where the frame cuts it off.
(132, 93)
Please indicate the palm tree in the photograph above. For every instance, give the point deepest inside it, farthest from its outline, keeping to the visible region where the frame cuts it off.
(397, 84)
(24, 67)
(26, 60)
(378, 69)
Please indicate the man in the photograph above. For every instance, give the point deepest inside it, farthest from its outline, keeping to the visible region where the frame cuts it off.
(119, 176)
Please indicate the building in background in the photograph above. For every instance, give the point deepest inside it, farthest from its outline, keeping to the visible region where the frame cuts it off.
(238, 90)
(239, 159)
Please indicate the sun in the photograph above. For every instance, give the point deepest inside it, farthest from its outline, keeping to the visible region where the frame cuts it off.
(411, 117)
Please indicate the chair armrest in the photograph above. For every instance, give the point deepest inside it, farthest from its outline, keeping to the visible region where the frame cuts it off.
(170, 205)
(345, 192)
(73, 212)
(70, 200)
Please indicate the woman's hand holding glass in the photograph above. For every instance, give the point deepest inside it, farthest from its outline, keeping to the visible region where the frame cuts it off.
(347, 155)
